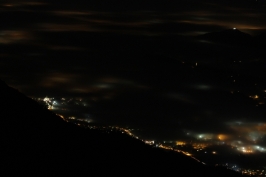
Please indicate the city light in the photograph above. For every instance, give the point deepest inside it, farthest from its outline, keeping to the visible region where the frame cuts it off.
(245, 142)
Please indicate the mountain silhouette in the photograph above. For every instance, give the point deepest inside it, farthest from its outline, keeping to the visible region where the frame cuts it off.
(229, 36)
(37, 142)
(261, 40)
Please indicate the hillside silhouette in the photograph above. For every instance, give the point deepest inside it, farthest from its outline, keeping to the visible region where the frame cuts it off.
(229, 36)
(36, 142)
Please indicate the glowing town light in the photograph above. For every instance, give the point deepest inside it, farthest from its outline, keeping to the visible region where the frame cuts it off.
(149, 142)
(180, 143)
(221, 137)
(234, 28)
(46, 99)
(60, 116)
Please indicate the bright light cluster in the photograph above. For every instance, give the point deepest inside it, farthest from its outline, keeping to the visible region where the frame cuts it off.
(149, 142)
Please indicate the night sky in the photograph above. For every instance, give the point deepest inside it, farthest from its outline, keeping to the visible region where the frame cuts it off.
(144, 65)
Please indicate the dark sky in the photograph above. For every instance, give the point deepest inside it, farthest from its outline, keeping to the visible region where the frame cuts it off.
(138, 63)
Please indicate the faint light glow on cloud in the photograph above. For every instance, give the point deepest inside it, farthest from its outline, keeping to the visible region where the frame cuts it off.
(55, 79)
(252, 132)
(23, 3)
(66, 27)
(203, 87)
(79, 90)
(13, 36)
(211, 16)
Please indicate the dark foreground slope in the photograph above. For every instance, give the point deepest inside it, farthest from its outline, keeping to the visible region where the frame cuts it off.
(36, 142)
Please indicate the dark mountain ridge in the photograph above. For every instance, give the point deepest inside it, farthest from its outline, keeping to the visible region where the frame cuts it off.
(235, 37)
(35, 141)
(229, 36)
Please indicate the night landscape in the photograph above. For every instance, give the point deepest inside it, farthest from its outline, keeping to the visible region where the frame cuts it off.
(129, 88)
